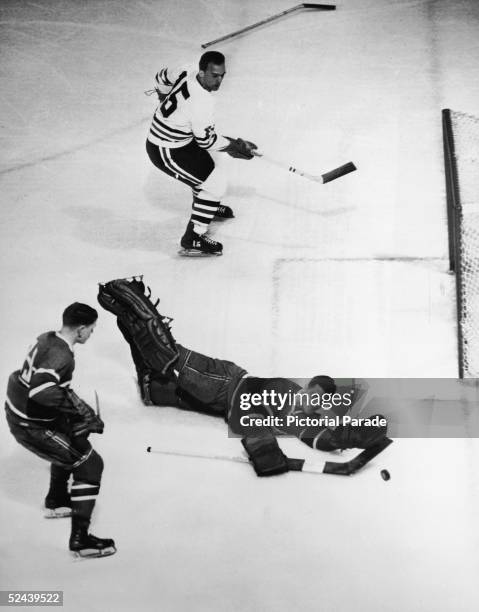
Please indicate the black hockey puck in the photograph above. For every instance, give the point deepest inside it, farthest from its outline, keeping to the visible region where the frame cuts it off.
(148, 450)
(385, 475)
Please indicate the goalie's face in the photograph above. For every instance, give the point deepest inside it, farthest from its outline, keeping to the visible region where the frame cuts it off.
(84, 332)
(212, 77)
(311, 398)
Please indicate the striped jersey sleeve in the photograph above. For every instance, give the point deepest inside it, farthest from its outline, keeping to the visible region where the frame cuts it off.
(164, 80)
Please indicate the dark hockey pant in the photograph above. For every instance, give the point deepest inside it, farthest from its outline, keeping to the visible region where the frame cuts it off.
(191, 165)
(204, 384)
(77, 458)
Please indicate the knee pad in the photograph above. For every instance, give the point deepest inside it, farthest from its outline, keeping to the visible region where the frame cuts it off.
(90, 470)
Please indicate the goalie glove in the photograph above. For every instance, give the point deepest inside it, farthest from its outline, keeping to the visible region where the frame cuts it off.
(267, 457)
(239, 148)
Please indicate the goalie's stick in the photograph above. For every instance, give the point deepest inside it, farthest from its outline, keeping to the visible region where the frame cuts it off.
(323, 178)
(341, 468)
(303, 5)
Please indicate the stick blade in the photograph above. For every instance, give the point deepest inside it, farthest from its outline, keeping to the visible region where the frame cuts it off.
(321, 7)
(350, 467)
(338, 172)
(369, 453)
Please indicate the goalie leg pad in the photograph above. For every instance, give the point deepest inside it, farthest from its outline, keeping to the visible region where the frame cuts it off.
(141, 324)
(154, 344)
(265, 455)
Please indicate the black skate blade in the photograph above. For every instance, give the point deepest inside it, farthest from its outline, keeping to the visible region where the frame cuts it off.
(54, 513)
(195, 253)
(92, 553)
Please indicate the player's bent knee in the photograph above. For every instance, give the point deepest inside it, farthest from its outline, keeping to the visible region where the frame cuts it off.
(215, 186)
(90, 470)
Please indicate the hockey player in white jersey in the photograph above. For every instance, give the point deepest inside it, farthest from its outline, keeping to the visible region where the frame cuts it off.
(182, 134)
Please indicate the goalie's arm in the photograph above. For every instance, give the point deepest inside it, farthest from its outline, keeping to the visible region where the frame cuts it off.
(319, 439)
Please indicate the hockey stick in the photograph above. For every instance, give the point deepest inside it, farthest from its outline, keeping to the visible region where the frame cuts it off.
(324, 178)
(303, 5)
(341, 468)
(97, 405)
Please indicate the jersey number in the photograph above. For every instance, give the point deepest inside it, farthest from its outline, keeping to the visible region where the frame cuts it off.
(170, 104)
(27, 369)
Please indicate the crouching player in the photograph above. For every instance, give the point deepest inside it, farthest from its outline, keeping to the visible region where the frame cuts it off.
(171, 375)
(49, 419)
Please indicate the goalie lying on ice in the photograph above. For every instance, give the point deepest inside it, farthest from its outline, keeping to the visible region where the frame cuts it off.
(170, 374)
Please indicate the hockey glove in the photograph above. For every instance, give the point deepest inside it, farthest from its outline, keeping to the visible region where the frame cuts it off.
(86, 420)
(239, 148)
(86, 427)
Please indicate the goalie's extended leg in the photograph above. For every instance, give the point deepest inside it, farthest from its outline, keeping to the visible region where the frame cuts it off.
(141, 323)
(203, 383)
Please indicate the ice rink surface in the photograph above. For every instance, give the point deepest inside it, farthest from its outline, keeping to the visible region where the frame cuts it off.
(348, 279)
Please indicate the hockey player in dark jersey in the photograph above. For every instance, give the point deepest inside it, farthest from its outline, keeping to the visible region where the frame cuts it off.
(48, 418)
(182, 135)
(172, 375)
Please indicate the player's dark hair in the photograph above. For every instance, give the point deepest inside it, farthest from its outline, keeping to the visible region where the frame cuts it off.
(79, 314)
(326, 383)
(211, 57)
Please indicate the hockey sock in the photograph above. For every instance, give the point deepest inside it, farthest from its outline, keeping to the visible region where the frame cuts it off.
(203, 213)
(83, 498)
(58, 491)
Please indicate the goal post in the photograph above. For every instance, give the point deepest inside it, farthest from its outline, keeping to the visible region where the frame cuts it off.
(461, 166)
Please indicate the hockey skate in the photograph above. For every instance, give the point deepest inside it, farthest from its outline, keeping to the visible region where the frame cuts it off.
(57, 508)
(223, 213)
(84, 545)
(199, 245)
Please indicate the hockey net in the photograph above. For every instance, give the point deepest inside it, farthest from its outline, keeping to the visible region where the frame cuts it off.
(461, 155)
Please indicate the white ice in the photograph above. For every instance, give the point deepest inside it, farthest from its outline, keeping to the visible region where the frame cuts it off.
(349, 279)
